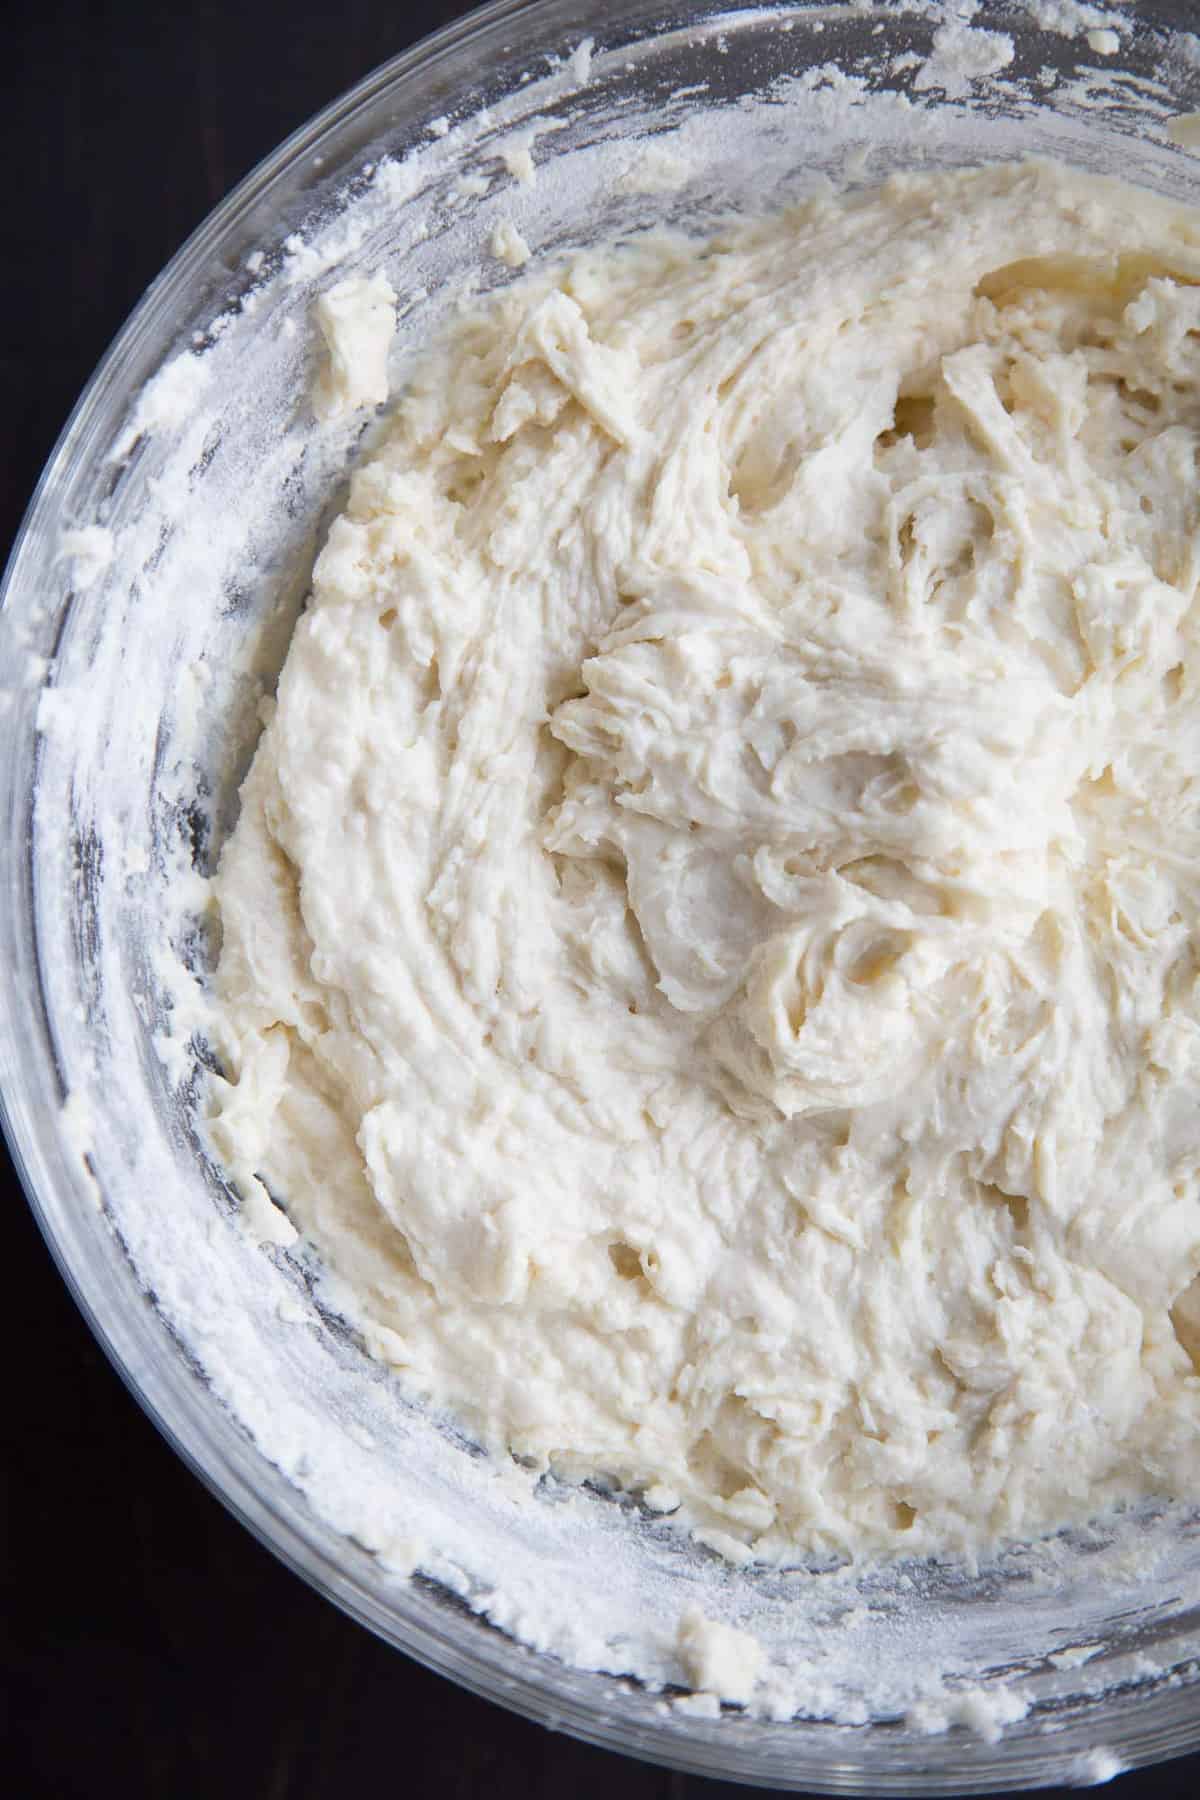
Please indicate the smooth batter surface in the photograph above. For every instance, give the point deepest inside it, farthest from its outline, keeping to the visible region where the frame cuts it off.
(710, 942)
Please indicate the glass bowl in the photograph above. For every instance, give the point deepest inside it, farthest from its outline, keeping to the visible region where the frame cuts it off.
(146, 607)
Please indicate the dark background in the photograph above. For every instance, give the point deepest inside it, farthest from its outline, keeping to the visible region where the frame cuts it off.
(152, 1648)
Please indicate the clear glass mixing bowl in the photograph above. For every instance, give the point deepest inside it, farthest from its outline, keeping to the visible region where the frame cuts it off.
(132, 661)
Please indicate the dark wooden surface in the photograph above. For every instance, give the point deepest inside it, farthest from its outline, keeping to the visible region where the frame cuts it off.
(153, 1650)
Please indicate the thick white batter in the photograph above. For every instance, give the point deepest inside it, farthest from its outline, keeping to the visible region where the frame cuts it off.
(710, 944)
